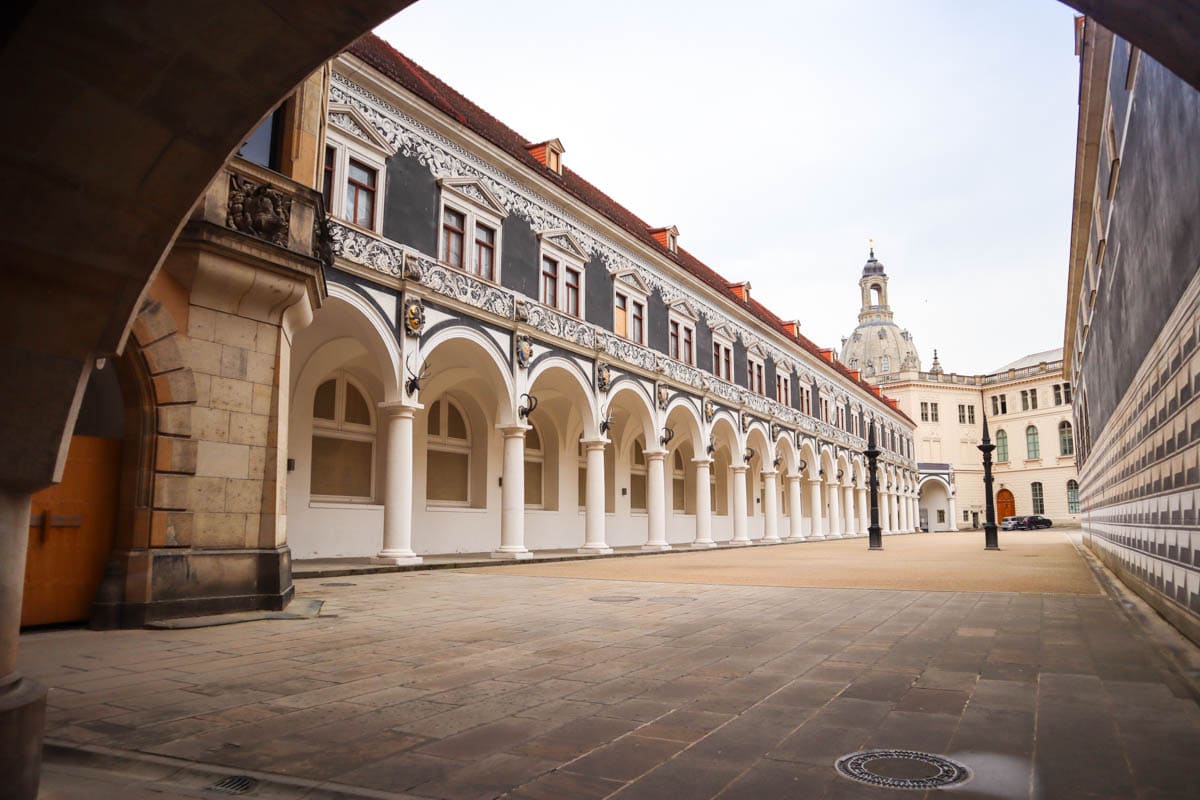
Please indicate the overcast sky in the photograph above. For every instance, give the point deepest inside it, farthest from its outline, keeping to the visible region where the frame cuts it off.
(781, 136)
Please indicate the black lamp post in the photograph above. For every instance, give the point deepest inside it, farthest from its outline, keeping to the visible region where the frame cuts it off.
(875, 535)
(989, 529)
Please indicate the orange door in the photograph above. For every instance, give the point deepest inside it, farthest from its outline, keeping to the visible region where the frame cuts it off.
(71, 527)
(1006, 506)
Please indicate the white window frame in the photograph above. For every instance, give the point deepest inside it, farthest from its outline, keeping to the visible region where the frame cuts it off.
(570, 254)
(783, 388)
(631, 287)
(754, 360)
(537, 457)
(443, 443)
(338, 428)
(372, 152)
(477, 205)
(723, 339)
(685, 317)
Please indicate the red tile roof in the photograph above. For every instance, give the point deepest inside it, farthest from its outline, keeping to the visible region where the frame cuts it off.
(412, 76)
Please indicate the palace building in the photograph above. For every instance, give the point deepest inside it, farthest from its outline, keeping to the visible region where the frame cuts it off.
(394, 327)
(1028, 404)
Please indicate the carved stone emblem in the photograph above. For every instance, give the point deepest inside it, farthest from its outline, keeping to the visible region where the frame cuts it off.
(414, 316)
(663, 395)
(709, 411)
(522, 311)
(322, 244)
(258, 210)
(746, 419)
(523, 346)
(603, 377)
(412, 269)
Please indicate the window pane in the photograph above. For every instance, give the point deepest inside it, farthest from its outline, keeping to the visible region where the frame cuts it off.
(434, 427)
(637, 492)
(677, 498)
(583, 487)
(619, 327)
(357, 411)
(324, 401)
(446, 477)
(533, 483)
(365, 211)
(341, 467)
(361, 173)
(485, 234)
(456, 426)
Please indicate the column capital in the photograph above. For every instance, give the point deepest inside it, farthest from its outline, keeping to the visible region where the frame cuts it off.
(706, 460)
(399, 408)
(655, 455)
(513, 431)
(597, 443)
(739, 467)
(769, 473)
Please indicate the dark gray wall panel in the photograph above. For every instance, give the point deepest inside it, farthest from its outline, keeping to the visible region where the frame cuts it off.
(519, 266)
(656, 322)
(410, 210)
(598, 291)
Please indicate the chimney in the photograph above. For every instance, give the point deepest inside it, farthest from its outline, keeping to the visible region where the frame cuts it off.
(741, 290)
(667, 237)
(548, 153)
(792, 328)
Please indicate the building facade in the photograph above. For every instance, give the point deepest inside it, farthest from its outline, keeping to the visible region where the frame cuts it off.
(1133, 320)
(1028, 404)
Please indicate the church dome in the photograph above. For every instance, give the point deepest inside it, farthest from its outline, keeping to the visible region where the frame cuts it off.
(878, 346)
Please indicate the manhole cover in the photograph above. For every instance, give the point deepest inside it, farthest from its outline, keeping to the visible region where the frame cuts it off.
(339, 583)
(614, 598)
(672, 601)
(902, 769)
(234, 784)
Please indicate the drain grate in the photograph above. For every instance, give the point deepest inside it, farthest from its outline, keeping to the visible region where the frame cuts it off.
(614, 598)
(902, 769)
(234, 784)
(339, 583)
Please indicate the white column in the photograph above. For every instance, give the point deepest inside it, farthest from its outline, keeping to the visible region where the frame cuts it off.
(864, 511)
(914, 520)
(512, 496)
(796, 532)
(902, 511)
(398, 486)
(770, 507)
(884, 517)
(594, 541)
(953, 514)
(893, 511)
(835, 510)
(740, 535)
(656, 502)
(703, 499)
(848, 500)
(817, 523)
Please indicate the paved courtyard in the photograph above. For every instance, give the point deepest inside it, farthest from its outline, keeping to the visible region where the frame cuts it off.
(543, 681)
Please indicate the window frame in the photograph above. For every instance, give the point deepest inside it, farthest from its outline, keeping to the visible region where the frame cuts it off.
(1068, 439)
(681, 324)
(783, 388)
(444, 444)
(561, 247)
(722, 364)
(1073, 496)
(1037, 493)
(478, 207)
(339, 428)
(1001, 446)
(538, 457)
(1033, 443)
(630, 287)
(345, 148)
(756, 374)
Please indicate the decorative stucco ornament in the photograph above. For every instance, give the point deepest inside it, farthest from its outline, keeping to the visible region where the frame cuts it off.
(603, 376)
(258, 210)
(414, 316)
(663, 394)
(709, 411)
(523, 346)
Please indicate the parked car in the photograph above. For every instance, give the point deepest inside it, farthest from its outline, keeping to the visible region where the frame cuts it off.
(1012, 524)
(1034, 521)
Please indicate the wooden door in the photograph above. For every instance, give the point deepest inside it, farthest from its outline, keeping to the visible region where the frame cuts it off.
(1006, 506)
(71, 527)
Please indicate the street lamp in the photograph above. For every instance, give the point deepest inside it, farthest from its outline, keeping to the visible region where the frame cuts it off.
(989, 529)
(875, 535)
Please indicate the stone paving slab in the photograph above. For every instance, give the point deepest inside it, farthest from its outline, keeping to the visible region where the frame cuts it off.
(456, 684)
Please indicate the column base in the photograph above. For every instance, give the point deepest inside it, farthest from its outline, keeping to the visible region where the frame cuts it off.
(740, 542)
(517, 555)
(22, 723)
(772, 540)
(397, 557)
(657, 547)
(794, 539)
(594, 550)
(820, 537)
(706, 544)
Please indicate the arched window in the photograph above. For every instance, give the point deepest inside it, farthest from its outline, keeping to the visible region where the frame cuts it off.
(448, 460)
(1072, 497)
(637, 477)
(1039, 503)
(885, 364)
(678, 496)
(343, 441)
(1032, 448)
(876, 294)
(535, 462)
(582, 475)
(1001, 446)
(1066, 439)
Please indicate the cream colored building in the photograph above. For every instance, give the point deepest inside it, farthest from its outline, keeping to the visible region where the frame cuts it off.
(1027, 402)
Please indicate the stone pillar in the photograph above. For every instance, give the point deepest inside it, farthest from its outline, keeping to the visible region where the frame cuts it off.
(796, 527)
(512, 496)
(848, 499)
(22, 701)
(817, 524)
(835, 510)
(884, 516)
(703, 503)
(894, 510)
(770, 506)
(864, 513)
(953, 514)
(594, 534)
(901, 512)
(398, 489)
(656, 501)
(740, 535)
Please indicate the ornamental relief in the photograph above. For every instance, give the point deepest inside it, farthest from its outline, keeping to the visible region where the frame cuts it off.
(258, 210)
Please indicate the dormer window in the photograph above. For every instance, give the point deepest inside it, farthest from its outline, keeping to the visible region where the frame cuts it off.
(549, 154)
(667, 237)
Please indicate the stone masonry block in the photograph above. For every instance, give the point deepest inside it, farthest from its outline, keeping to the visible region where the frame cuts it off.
(211, 424)
(202, 323)
(230, 394)
(172, 492)
(208, 494)
(172, 388)
(258, 457)
(243, 496)
(171, 529)
(219, 530)
(202, 356)
(267, 339)
(174, 455)
(163, 355)
(236, 331)
(260, 368)
(261, 399)
(203, 388)
(248, 429)
(233, 362)
(153, 322)
(221, 460)
(177, 420)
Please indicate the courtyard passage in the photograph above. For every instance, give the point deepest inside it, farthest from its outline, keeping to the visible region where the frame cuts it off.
(732, 674)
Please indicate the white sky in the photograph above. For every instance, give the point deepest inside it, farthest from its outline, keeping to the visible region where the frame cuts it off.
(780, 136)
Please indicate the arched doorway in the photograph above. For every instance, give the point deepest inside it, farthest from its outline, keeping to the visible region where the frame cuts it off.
(1006, 505)
(934, 506)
